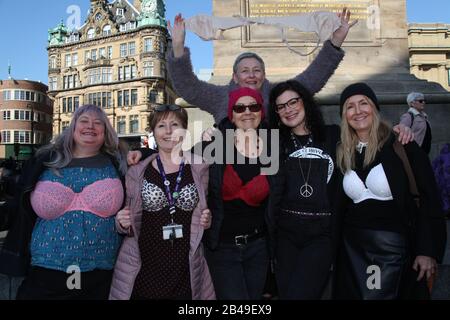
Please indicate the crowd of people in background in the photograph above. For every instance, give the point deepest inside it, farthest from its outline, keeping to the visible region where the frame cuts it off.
(164, 223)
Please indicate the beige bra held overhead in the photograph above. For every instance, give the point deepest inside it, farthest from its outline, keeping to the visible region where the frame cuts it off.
(323, 24)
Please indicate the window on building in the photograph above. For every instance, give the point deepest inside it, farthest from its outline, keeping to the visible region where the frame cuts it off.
(94, 54)
(64, 105)
(107, 30)
(53, 83)
(75, 37)
(127, 72)
(109, 103)
(121, 125)
(22, 115)
(87, 56)
(162, 46)
(148, 45)
(134, 97)
(110, 51)
(22, 136)
(106, 75)
(102, 53)
(6, 136)
(100, 99)
(120, 98)
(126, 98)
(153, 96)
(119, 12)
(75, 59)
(91, 33)
(149, 69)
(7, 115)
(134, 124)
(68, 60)
(65, 125)
(131, 48)
(99, 75)
(123, 50)
(128, 26)
(70, 81)
(69, 105)
(52, 62)
(106, 100)
(6, 95)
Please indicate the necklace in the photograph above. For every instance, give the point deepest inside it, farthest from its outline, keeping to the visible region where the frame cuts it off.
(360, 146)
(297, 143)
(306, 190)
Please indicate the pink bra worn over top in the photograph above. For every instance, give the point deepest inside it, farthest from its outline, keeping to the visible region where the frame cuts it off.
(51, 200)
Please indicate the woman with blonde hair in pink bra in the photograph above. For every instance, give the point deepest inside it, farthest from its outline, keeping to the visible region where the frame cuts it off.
(64, 238)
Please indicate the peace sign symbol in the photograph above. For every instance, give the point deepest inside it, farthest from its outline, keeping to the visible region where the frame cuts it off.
(306, 191)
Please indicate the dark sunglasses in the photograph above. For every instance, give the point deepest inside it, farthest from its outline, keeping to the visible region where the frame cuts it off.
(240, 108)
(421, 101)
(167, 107)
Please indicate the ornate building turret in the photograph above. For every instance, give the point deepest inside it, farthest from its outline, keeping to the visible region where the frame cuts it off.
(153, 13)
(57, 35)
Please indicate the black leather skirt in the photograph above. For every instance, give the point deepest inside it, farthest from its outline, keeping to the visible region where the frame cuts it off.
(371, 264)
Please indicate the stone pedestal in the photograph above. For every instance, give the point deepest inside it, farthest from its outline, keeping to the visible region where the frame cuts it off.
(376, 53)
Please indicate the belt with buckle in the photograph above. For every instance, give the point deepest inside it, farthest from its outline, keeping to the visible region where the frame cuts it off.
(244, 239)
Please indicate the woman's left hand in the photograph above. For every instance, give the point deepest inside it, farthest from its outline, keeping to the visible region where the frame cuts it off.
(205, 219)
(425, 266)
(405, 135)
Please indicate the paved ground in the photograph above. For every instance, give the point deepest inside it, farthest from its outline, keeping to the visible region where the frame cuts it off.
(441, 289)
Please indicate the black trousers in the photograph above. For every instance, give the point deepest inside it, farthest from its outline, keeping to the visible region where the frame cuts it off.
(304, 259)
(46, 284)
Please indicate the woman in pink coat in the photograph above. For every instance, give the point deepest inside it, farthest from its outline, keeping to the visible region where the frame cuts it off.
(162, 254)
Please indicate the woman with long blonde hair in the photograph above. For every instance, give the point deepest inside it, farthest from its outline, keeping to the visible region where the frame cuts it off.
(389, 246)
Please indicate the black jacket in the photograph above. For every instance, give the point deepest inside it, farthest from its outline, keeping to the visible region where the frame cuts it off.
(426, 225)
(215, 200)
(15, 253)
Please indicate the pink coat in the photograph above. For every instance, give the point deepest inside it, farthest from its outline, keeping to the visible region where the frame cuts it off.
(129, 260)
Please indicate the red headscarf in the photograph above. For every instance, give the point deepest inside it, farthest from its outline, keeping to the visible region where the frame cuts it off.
(243, 92)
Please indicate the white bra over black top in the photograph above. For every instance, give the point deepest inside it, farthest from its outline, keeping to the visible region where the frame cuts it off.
(376, 186)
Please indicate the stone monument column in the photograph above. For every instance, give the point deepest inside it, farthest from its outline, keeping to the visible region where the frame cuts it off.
(376, 53)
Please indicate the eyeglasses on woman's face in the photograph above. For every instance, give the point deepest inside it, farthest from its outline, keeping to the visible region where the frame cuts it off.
(254, 107)
(292, 103)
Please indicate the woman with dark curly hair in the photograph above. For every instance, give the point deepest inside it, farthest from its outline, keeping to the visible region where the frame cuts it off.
(302, 207)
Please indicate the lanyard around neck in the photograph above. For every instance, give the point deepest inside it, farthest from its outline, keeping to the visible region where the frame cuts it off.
(171, 197)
